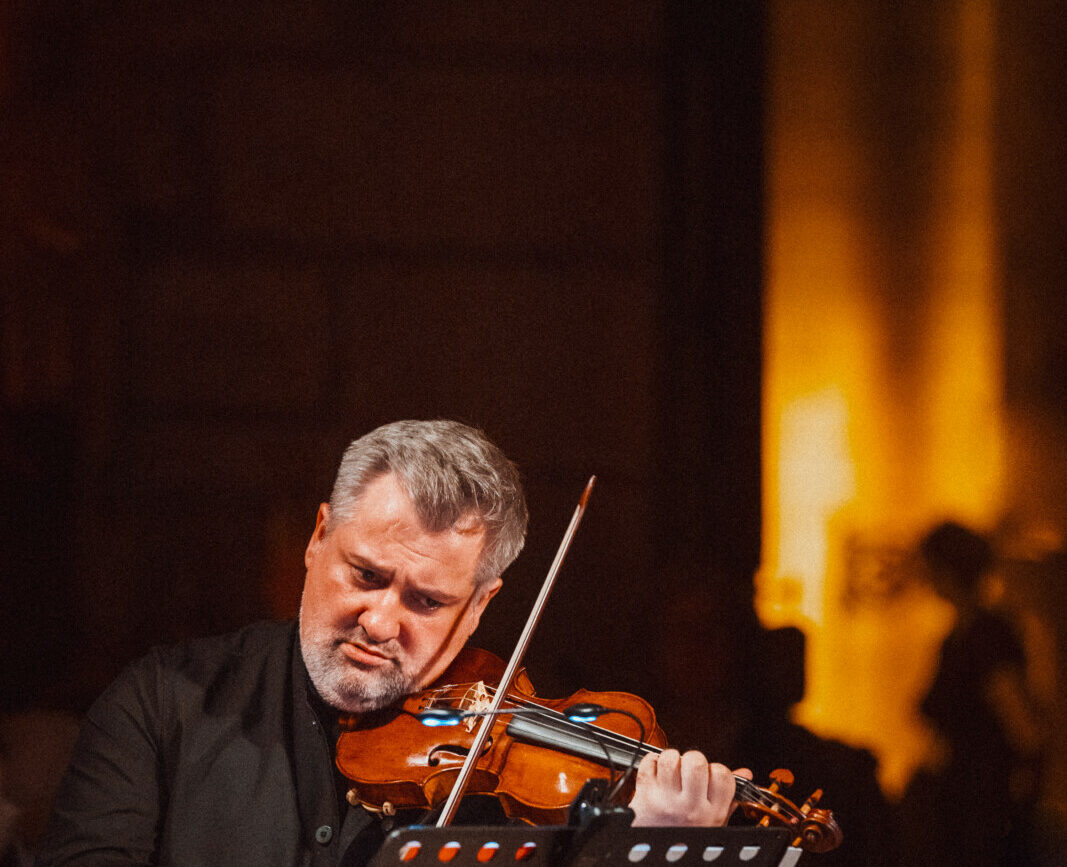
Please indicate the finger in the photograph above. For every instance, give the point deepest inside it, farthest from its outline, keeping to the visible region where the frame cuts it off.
(694, 775)
(646, 771)
(721, 786)
(669, 769)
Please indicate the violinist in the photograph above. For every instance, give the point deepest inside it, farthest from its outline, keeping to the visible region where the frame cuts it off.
(221, 750)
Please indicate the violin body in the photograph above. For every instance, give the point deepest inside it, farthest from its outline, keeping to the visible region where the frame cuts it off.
(395, 762)
(534, 761)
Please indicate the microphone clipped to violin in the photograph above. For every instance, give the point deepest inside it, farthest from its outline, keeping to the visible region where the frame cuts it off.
(481, 729)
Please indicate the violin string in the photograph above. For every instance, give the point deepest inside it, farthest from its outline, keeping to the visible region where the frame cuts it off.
(746, 788)
(553, 717)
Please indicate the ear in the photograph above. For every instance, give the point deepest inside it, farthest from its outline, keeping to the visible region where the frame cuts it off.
(318, 535)
(485, 593)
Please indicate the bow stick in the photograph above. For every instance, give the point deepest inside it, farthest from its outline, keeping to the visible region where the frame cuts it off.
(458, 788)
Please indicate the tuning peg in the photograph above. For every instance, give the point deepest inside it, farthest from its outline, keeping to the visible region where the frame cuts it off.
(781, 777)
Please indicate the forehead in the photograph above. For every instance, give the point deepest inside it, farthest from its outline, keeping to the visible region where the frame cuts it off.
(386, 514)
(385, 498)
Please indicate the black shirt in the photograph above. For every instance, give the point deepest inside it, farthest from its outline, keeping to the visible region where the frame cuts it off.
(213, 752)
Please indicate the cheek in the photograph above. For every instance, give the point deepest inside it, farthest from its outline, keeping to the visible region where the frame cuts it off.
(323, 596)
(422, 642)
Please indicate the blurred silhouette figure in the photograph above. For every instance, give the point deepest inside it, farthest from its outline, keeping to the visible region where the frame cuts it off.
(768, 739)
(745, 679)
(973, 805)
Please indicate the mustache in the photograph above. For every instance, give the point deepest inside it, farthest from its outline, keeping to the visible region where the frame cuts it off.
(358, 635)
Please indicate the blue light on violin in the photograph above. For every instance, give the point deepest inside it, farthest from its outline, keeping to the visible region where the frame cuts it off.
(439, 716)
(585, 711)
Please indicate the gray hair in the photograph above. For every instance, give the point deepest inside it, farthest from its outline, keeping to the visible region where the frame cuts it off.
(451, 472)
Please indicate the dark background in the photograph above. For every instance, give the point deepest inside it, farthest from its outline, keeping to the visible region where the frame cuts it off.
(236, 236)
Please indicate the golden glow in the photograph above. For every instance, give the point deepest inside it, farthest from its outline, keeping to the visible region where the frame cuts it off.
(882, 401)
(814, 480)
(963, 362)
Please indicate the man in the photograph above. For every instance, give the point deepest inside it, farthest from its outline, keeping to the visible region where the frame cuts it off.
(219, 751)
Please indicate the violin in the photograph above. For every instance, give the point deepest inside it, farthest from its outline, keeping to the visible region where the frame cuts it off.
(535, 759)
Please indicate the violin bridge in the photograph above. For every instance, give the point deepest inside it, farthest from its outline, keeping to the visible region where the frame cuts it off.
(477, 699)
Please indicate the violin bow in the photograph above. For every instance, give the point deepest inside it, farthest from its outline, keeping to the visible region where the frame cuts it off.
(448, 811)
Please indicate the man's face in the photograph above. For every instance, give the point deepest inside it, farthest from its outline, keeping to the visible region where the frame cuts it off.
(386, 604)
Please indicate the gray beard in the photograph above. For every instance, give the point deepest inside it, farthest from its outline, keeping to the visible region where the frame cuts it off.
(348, 686)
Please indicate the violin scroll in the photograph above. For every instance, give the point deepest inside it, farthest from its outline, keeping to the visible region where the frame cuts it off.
(817, 829)
(819, 832)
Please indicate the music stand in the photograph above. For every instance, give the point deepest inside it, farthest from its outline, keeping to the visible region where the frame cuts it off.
(600, 844)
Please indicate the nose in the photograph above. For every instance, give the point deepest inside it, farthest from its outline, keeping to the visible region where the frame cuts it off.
(381, 618)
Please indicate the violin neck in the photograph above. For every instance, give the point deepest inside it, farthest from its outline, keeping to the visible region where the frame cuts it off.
(596, 744)
(587, 742)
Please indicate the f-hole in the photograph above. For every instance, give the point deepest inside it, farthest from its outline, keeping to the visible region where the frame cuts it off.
(460, 752)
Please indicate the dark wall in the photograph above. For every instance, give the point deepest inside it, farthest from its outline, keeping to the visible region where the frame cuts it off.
(236, 236)
(1030, 167)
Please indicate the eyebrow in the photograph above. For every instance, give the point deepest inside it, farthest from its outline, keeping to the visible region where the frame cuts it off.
(443, 598)
(362, 562)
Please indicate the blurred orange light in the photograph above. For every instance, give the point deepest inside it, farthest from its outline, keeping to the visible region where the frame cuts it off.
(882, 400)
